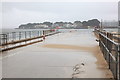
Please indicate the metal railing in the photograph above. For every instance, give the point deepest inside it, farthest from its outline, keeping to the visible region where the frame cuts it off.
(18, 38)
(3, 39)
(14, 36)
(110, 47)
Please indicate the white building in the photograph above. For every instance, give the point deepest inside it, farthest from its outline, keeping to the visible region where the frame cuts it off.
(110, 23)
(41, 26)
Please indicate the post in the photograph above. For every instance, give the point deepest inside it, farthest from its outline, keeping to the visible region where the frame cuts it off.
(13, 36)
(7, 37)
(118, 62)
(25, 35)
(30, 34)
(101, 26)
(43, 32)
(19, 35)
(38, 34)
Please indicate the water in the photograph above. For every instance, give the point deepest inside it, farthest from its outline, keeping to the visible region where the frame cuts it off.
(18, 34)
(5, 31)
(112, 30)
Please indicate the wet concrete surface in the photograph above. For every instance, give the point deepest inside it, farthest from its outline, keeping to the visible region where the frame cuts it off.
(57, 57)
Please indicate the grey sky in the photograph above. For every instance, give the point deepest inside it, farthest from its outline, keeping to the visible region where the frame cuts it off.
(16, 13)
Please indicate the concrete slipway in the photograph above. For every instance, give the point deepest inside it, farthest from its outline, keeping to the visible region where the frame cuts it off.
(56, 57)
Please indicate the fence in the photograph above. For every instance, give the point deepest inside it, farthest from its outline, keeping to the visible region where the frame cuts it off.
(15, 39)
(110, 47)
(3, 39)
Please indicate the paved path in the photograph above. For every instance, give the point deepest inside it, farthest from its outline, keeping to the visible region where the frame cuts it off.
(58, 57)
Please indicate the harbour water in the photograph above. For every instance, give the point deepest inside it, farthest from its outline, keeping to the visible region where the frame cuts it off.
(4, 31)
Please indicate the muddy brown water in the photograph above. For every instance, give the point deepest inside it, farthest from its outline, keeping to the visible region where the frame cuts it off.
(56, 57)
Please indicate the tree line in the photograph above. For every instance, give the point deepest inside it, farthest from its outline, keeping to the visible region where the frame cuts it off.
(75, 24)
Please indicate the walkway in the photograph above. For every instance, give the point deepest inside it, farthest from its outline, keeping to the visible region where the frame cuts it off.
(57, 57)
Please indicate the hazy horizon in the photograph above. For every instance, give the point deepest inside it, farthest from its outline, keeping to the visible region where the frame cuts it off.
(16, 13)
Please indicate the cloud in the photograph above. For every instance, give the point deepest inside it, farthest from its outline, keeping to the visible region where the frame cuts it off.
(16, 13)
(59, 0)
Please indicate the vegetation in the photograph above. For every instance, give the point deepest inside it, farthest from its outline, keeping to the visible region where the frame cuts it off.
(64, 25)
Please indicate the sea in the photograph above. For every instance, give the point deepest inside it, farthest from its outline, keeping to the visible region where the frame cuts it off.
(5, 31)
(18, 34)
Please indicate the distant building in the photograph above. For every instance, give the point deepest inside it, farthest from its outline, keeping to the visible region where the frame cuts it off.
(55, 25)
(110, 24)
(78, 25)
(68, 25)
(41, 26)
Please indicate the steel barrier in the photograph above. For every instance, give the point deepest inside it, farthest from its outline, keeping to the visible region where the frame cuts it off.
(15, 39)
(111, 51)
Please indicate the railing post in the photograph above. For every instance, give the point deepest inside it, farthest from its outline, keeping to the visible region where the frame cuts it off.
(43, 32)
(7, 37)
(25, 35)
(13, 36)
(3, 39)
(109, 51)
(30, 34)
(19, 35)
(38, 33)
(0, 40)
(118, 63)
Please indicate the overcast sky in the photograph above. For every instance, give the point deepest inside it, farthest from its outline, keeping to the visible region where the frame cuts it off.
(16, 13)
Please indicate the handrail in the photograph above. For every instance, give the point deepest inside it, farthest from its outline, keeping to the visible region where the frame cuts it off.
(23, 37)
(107, 43)
(109, 39)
